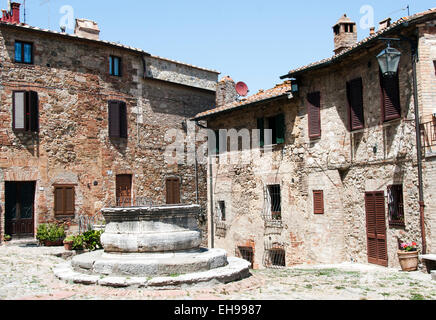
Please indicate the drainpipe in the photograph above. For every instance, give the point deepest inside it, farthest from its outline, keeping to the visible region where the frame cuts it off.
(419, 148)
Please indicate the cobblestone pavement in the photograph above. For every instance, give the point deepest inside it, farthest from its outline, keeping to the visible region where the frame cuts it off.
(26, 273)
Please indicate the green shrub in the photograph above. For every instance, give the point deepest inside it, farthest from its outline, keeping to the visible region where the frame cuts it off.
(92, 240)
(78, 242)
(50, 232)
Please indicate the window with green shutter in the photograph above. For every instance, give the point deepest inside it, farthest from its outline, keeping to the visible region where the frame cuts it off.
(277, 126)
(280, 129)
(261, 128)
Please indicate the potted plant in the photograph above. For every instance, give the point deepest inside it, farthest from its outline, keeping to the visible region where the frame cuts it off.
(7, 237)
(68, 243)
(408, 255)
(50, 235)
(78, 244)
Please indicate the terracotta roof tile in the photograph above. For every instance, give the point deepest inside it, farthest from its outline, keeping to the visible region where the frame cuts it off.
(278, 91)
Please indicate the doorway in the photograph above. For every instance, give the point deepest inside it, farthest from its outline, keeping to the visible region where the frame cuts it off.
(124, 190)
(20, 209)
(376, 228)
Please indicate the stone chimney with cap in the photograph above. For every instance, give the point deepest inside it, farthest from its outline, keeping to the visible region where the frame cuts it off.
(345, 32)
(226, 91)
(87, 29)
(12, 16)
(384, 24)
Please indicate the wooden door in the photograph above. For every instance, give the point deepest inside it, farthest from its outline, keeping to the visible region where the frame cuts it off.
(124, 190)
(19, 208)
(376, 228)
(173, 190)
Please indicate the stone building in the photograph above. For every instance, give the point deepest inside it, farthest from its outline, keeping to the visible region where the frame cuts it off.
(341, 180)
(83, 124)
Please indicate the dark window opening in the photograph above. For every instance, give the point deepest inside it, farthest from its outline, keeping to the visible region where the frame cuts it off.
(275, 126)
(336, 30)
(247, 253)
(115, 66)
(23, 52)
(275, 199)
(222, 208)
(396, 205)
(64, 199)
(277, 257)
(25, 111)
(117, 119)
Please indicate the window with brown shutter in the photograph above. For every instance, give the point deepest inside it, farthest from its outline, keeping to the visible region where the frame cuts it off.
(391, 108)
(25, 111)
(314, 114)
(172, 190)
(318, 202)
(117, 112)
(355, 104)
(64, 201)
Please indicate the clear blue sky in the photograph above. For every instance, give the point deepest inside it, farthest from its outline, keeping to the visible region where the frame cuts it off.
(255, 41)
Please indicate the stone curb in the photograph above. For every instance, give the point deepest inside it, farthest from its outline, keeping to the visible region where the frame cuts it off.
(237, 269)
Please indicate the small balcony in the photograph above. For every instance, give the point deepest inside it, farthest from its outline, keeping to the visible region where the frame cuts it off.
(428, 134)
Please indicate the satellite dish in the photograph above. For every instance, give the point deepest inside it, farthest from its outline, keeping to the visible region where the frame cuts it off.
(241, 89)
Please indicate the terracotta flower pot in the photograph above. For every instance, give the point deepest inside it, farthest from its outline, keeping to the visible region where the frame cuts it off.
(68, 245)
(408, 260)
(57, 243)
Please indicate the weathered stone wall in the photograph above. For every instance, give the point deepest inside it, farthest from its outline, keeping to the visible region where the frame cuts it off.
(73, 84)
(344, 164)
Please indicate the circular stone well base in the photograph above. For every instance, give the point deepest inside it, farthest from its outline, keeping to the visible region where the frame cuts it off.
(236, 269)
(149, 264)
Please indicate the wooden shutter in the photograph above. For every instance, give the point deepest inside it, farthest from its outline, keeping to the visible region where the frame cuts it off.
(280, 129)
(64, 204)
(114, 119)
(314, 114)
(173, 191)
(33, 111)
(318, 202)
(355, 103)
(19, 110)
(123, 119)
(376, 228)
(261, 127)
(390, 97)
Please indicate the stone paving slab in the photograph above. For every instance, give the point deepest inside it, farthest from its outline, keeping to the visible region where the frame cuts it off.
(27, 273)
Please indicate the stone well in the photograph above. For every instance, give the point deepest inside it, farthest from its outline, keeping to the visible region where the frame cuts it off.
(153, 247)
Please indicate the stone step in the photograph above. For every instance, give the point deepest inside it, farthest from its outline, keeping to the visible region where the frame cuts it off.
(431, 257)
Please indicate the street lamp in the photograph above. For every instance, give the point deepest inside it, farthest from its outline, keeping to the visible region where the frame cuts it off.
(389, 60)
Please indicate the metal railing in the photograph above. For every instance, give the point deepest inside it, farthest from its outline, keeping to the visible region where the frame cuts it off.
(87, 223)
(274, 255)
(124, 202)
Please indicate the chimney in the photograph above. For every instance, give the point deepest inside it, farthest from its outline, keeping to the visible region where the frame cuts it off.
(87, 29)
(384, 24)
(345, 32)
(226, 92)
(372, 31)
(12, 16)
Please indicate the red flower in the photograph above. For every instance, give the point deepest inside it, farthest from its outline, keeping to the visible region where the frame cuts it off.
(414, 243)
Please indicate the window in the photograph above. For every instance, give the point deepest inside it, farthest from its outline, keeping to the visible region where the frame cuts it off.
(277, 128)
(276, 257)
(275, 200)
(355, 104)
(395, 205)
(25, 114)
(336, 29)
(318, 202)
(64, 200)
(247, 254)
(115, 66)
(23, 52)
(172, 190)
(314, 114)
(391, 108)
(222, 210)
(117, 119)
